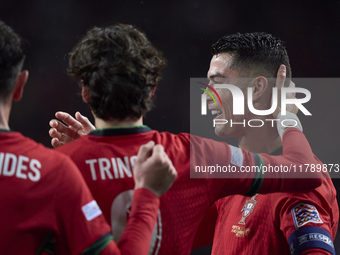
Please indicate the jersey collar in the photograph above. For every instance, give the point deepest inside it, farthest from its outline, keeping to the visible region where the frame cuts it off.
(120, 131)
(6, 130)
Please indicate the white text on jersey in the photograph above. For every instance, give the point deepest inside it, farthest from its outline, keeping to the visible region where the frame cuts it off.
(111, 168)
(21, 166)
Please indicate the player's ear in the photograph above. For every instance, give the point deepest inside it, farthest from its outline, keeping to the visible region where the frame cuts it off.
(19, 86)
(153, 90)
(85, 92)
(259, 85)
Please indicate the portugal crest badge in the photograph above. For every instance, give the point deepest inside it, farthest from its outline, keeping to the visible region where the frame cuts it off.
(247, 209)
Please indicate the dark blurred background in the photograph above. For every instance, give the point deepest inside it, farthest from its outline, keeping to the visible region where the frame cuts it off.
(184, 31)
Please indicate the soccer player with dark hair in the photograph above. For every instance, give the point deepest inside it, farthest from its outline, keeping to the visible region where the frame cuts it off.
(281, 223)
(46, 207)
(118, 70)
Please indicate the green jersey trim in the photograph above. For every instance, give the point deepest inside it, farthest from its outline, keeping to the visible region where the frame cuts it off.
(120, 131)
(47, 245)
(258, 178)
(98, 246)
(141, 126)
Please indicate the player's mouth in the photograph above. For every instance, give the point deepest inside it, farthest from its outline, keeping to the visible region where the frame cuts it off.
(216, 112)
(214, 109)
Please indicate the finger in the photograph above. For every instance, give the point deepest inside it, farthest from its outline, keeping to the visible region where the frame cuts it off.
(159, 156)
(171, 165)
(292, 84)
(74, 129)
(61, 137)
(53, 123)
(64, 130)
(291, 94)
(54, 133)
(281, 76)
(166, 162)
(144, 151)
(68, 119)
(158, 150)
(172, 169)
(81, 118)
(60, 127)
(85, 122)
(56, 143)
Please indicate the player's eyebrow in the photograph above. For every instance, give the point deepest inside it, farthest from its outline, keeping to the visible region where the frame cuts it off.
(216, 75)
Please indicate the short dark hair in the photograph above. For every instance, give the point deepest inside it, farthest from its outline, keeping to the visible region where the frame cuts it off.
(11, 59)
(258, 53)
(121, 67)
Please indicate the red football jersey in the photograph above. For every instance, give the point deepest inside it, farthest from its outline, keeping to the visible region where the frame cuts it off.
(43, 195)
(278, 223)
(106, 159)
(46, 205)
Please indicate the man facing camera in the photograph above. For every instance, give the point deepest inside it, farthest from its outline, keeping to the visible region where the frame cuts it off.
(281, 223)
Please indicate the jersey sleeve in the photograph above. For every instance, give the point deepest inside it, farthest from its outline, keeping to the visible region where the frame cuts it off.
(231, 170)
(292, 173)
(315, 251)
(136, 237)
(81, 225)
(307, 222)
(83, 228)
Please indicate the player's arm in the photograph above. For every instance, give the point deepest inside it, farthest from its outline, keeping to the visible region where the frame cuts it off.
(246, 184)
(296, 149)
(247, 172)
(316, 252)
(296, 153)
(136, 237)
(84, 228)
(307, 224)
(153, 176)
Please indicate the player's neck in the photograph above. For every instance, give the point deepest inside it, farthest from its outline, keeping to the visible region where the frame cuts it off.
(263, 139)
(101, 124)
(5, 110)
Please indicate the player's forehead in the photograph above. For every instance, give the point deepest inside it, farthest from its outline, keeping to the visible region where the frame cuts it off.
(220, 66)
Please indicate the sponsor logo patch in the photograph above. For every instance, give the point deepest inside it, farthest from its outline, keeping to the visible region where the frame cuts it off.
(236, 156)
(91, 210)
(315, 237)
(291, 248)
(305, 213)
(240, 231)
